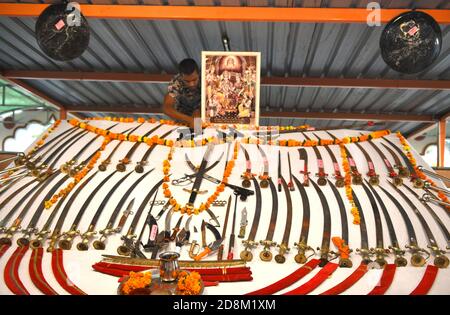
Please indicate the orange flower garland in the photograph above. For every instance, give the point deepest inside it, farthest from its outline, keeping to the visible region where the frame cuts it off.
(348, 187)
(189, 283)
(203, 206)
(421, 175)
(137, 280)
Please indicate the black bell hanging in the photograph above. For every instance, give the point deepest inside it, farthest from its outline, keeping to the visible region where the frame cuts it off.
(411, 42)
(62, 32)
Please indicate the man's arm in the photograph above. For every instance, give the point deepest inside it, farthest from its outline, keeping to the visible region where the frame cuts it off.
(169, 110)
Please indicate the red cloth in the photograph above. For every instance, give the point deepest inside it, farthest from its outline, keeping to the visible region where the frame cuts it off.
(3, 249)
(36, 275)
(315, 281)
(427, 281)
(60, 274)
(11, 272)
(386, 280)
(349, 281)
(289, 280)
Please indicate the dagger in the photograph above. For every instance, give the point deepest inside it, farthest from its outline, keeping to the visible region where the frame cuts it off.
(211, 247)
(244, 223)
(167, 226)
(232, 236)
(176, 229)
(183, 236)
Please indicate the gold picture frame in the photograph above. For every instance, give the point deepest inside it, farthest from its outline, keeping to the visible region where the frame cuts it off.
(231, 87)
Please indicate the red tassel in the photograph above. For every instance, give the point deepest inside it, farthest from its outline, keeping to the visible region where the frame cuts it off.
(11, 272)
(36, 274)
(60, 273)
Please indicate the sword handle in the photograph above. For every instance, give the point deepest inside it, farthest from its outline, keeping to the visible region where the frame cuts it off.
(204, 253)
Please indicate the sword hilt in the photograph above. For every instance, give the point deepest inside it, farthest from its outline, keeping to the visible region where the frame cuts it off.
(380, 253)
(51, 247)
(85, 237)
(25, 239)
(399, 260)
(417, 260)
(283, 249)
(365, 254)
(440, 261)
(37, 242)
(302, 249)
(194, 249)
(67, 239)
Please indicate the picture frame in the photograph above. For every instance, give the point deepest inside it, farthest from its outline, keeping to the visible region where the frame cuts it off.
(230, 87)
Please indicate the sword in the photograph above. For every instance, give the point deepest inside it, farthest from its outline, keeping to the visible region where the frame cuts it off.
(183, 236)
(176, 229)
(224, 231)
(232, 235)
(167, 225)
(242, 192)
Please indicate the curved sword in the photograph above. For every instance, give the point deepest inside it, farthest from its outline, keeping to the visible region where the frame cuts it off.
(364, 248)
(109, 228)
(399, 261)
(326, 235)
(374, 178)
(67, 237)
(302, 244)
(268, 242)
(391, 172)
(139, 168)
(344, 251)
(56, 234)
(356, 175)
(379, 251)
(104, 164)
(337, 173)
(86, 236)
(247, 176)
(417, 182)
(303, 155)
(417, 259)
(250, 243)
(440, 261)
(121, 166)
(128, 247)
(322, 181)
(284, 246)
(264, 183)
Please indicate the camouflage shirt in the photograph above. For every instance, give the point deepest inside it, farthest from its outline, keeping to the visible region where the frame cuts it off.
(186, 100)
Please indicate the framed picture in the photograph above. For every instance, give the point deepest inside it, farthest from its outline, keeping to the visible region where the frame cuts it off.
(230, 87)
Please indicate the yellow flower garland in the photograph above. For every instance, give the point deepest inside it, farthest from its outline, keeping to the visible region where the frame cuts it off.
(421, 175)
(203, 206)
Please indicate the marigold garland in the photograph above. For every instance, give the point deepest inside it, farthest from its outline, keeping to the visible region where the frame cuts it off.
(420, 174)
(137, 280)
(189, 283)
(203, 206)
(348, 187)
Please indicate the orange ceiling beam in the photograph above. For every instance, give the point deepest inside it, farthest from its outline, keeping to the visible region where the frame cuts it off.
(221, 13)
(268, 81)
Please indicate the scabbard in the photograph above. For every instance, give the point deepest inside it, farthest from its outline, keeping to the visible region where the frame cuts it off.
(386, 280)
(289, 280)
(349, 281)
(427, 281)
(202, 271)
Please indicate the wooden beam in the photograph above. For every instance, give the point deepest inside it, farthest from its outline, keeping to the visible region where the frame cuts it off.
(266, 81)
(222, 13)
(441, 142)
(35, 92)
(271, 114)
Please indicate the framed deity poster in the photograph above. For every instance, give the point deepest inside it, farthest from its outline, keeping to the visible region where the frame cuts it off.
(230, 87)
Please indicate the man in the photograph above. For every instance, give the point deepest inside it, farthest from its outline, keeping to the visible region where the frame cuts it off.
(182, 101)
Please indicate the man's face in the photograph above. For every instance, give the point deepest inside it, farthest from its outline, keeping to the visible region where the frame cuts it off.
(191, 80)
